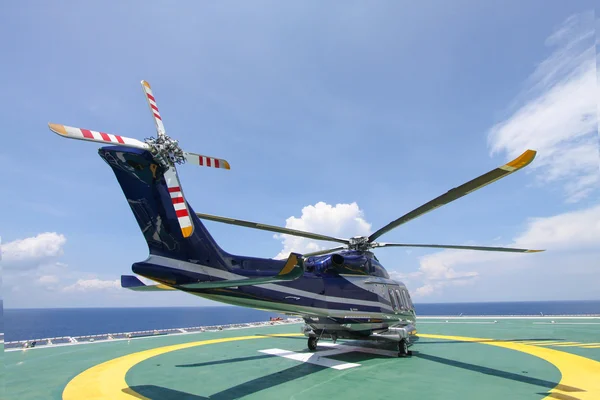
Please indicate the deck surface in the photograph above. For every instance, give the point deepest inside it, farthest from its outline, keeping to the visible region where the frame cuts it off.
(526, 359)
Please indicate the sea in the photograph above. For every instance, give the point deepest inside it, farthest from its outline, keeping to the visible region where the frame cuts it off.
(27, 324)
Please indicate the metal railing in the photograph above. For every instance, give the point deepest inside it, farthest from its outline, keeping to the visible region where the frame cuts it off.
(66, 340)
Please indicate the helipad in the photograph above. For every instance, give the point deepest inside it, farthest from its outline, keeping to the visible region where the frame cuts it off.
(485, 358)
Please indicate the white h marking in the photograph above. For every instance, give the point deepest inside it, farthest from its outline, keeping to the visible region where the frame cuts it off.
(319, 358)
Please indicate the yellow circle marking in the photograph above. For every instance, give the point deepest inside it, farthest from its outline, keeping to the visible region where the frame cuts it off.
(107, 380)
(580, 376)
(579, 379)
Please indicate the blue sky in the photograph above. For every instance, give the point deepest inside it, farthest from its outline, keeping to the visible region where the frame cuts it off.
(386, 106)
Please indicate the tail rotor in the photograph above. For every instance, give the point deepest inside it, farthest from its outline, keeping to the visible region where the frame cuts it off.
(165, 150)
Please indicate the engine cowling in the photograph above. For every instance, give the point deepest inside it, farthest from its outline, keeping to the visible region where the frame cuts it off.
(337, 260)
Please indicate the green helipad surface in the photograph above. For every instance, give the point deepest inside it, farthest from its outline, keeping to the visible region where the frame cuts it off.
(527, 359)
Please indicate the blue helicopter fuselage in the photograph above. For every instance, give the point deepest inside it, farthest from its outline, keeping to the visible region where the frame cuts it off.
(343, 288)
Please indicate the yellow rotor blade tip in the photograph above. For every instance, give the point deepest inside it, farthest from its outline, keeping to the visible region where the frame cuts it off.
(146, 84)
(523, 160)
(60, 129)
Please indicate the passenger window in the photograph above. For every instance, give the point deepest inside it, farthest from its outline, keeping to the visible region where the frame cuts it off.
(406, 303)
(392, 299)
(400, 299)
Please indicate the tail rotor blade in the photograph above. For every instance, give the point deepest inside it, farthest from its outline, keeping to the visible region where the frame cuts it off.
(160, 128)
(94, 136)
(205, 161)
(179, 203)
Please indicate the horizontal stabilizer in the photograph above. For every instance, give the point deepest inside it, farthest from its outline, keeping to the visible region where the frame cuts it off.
(293, 269)
(133, 283)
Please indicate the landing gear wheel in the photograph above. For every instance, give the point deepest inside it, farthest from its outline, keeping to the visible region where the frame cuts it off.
(403, 348)
(312, 343)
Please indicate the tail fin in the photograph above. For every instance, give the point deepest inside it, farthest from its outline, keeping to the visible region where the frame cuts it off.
(143, 183)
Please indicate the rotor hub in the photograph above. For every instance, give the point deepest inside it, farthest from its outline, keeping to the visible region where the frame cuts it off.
(360, 243)
(166, 150)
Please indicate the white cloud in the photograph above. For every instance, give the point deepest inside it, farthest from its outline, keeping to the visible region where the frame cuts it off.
(424, 290)
(95, 284)
(47, 279)
(571, 232)
(31, 252)
(435, 273)
(49, 283)
(559, 115)
(341, 220)
(404, 276)
(577, 230)
(32, 274)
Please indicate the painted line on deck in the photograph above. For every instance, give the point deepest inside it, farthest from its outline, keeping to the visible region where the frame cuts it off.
(313, 358)
(107, 380)
(579, 374)
(558, 344)
(566, 323)
(320, 357)
(540, 342)
(457, 322)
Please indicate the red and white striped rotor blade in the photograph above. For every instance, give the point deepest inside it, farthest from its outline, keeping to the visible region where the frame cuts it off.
(94, 136)
(160, 128)
(179, 203)
(205, 161)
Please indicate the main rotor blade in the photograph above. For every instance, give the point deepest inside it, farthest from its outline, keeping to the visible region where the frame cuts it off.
(460, 191)
(264, 227)
(93, 136)
(320, 252)
(160, 128)
(449, 246)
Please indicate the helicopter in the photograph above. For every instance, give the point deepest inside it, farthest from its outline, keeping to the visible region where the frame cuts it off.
(341, 293)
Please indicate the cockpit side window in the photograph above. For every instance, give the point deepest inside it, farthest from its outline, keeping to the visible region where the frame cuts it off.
(410, 303)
